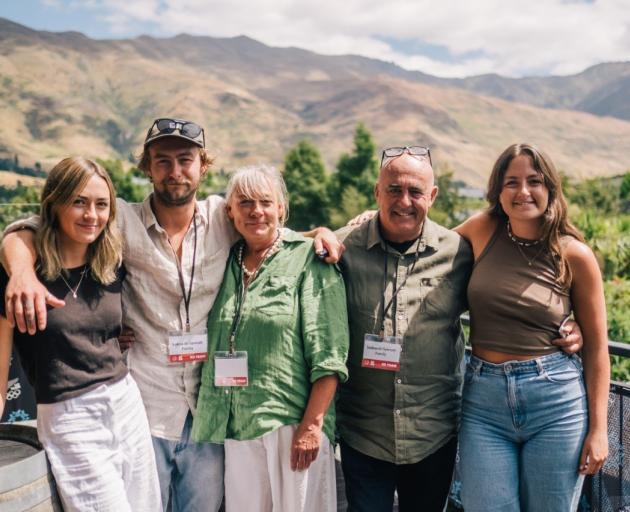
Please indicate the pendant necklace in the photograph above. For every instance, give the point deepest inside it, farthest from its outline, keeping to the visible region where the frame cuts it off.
(75, 290)
(520, 245)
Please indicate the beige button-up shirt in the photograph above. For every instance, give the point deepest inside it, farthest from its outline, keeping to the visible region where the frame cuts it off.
(404, 416)
(153, 303)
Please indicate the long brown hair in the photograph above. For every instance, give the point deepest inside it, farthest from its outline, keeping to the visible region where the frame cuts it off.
(555, 221)
(64, 182)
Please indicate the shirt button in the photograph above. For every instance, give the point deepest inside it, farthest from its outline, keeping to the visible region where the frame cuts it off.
(399, 381)
(397, 412)
(227, 391)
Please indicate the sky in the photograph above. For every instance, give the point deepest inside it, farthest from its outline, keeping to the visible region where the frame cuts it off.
(449, 38)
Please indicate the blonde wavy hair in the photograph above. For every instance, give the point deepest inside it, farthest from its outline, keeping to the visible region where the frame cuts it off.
(64, 182)
(556, 224)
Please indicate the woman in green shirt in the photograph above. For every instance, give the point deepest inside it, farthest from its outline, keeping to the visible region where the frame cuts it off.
(278, 342)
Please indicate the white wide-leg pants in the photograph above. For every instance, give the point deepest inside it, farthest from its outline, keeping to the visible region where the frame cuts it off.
(100, 451)
(258, 476)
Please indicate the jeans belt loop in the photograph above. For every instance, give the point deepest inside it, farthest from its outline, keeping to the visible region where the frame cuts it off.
(540, 367)
(477, 364)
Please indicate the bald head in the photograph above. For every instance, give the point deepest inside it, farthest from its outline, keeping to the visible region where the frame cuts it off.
(405, 191)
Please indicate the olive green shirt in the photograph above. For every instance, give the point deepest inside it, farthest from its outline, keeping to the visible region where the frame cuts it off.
(294, 327)
(404, 416)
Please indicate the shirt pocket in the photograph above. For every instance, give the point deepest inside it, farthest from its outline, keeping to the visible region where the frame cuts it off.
(278, 296)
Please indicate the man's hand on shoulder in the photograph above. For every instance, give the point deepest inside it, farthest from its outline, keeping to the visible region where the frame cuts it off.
(326, 245)
(25, 302)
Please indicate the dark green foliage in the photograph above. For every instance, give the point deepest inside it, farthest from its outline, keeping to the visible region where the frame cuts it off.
(447, 205)
(358, 169)
(127, 188)
(307, 183)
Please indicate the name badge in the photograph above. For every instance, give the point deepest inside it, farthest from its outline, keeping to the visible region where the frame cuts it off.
(382, 352)
(230, 369)
(187, 346)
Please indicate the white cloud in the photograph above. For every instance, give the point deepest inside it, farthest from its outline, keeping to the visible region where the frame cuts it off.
(509, 37)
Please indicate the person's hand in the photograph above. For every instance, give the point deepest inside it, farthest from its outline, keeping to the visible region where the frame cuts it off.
(594, 452)
(327, 246)
(25, 302)
(571, 340)
(305, 446)
(361, 218)
(126, 338)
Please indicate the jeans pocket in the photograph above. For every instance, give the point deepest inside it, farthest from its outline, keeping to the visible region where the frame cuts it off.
(564, 374)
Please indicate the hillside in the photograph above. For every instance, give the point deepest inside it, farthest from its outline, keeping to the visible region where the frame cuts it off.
(63, 93)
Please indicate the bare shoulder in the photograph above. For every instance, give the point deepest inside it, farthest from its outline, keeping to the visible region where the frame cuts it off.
(478, 223)
(579, 255)
(478, 230)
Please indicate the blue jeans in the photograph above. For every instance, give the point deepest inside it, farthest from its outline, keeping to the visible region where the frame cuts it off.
(523, 425)
(192, 473)
(423, 486)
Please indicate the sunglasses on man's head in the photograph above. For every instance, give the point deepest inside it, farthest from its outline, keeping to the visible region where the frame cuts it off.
(412, 150)
(165, 126)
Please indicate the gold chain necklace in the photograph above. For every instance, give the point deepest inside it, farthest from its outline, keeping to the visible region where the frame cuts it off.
(529, 261)
(74, 292)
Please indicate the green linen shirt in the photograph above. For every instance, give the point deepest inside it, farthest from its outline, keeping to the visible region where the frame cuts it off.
(294, 327)
(404, 416)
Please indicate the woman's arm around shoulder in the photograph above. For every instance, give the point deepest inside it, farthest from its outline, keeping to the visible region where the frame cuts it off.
(587, 297)
(478, 230)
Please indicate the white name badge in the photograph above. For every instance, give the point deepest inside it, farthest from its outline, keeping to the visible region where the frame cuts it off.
(230, 369)
(187, 346)
(382, 352)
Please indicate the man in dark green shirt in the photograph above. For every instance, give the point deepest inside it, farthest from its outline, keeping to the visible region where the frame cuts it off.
(406, 280)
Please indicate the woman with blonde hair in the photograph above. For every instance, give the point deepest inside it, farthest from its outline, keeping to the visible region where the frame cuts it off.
(533, 421)
(278, 342)
(90, 418)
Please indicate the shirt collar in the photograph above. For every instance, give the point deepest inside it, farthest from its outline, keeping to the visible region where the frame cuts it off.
(428, 237)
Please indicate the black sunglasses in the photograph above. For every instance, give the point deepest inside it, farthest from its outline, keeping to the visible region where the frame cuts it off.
(187, 129)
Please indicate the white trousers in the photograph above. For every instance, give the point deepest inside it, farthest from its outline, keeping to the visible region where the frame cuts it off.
(100, 451)
(258, 476)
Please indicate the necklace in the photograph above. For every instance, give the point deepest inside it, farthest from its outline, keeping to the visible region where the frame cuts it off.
(516, 241)
(274, 248)
(530, 261)
(74, 292)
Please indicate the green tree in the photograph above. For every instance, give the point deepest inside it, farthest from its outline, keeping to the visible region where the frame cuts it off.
(307, 183)
(446, 208)
(126, 187)
(358, 169)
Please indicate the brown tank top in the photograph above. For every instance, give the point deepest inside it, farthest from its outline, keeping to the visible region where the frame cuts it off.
(515, 307)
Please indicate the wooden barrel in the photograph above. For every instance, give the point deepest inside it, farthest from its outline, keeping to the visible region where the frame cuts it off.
(26, 483)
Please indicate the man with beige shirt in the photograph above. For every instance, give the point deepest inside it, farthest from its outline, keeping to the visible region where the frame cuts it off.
(175, 253)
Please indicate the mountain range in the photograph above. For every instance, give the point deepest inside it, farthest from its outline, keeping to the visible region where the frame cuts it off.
(64, 93)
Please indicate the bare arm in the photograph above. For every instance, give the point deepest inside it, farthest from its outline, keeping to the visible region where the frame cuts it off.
(307, 437)
(25, 296)
(587, 295)
(6, 343)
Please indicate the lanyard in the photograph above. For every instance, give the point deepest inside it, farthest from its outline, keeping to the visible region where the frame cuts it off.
(240, 300)
(385, 308)
(192, 273)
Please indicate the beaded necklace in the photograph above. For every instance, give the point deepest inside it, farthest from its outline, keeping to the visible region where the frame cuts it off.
(274, 248)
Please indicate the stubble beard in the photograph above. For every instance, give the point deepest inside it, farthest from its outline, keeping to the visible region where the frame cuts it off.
(168, 200)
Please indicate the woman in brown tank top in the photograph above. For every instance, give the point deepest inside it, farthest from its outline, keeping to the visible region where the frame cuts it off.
(532, 425)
